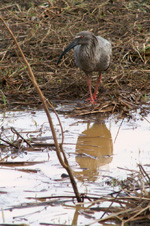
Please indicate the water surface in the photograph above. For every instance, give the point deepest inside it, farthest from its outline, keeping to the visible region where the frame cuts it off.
(96, 151)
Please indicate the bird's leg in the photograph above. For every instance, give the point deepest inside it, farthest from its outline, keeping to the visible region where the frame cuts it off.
(89, 85)
(97, 85)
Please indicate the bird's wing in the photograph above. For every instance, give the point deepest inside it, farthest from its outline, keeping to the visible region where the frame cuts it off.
(105, 45)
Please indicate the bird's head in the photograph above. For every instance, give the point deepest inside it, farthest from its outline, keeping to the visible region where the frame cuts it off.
(82, 38)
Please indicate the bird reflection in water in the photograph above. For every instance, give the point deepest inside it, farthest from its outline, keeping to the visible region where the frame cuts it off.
(94, 150)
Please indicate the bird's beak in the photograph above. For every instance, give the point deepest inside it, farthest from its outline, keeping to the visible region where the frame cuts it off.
(69, 47)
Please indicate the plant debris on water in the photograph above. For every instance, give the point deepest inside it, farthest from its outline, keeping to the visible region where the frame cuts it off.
(43, 30)
(127, 203)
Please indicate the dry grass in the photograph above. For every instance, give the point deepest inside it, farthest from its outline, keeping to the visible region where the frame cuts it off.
(44, 29)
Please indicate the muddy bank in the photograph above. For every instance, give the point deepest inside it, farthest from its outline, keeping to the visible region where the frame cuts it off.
(43, 29)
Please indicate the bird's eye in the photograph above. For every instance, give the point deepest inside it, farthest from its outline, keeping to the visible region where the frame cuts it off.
(79, 36)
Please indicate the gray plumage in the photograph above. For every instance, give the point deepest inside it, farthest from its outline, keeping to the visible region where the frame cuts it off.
(92, 53)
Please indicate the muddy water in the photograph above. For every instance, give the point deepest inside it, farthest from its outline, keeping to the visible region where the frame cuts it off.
(96, 151)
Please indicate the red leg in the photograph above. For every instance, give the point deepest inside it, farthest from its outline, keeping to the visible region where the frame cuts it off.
(89, 85)
(97, 85)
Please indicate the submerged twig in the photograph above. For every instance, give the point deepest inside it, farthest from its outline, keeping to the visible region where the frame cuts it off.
(118, 130)
(18, 134)
(9, 143)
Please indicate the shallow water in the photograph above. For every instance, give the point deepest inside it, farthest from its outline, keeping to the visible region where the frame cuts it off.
(95, 150)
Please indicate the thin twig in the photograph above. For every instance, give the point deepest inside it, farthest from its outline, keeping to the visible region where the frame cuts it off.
(9, 143)
(16, 132)
(142, 170)
(118, 130)
(62, 161)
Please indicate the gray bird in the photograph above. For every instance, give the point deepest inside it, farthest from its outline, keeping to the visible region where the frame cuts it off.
(92, 53)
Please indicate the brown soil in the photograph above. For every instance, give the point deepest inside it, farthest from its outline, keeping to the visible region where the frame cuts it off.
(44, 29)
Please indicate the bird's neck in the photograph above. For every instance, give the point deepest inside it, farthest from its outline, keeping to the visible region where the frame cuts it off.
(91, 46)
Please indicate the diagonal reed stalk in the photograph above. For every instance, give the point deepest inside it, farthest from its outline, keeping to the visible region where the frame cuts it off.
(59, 148)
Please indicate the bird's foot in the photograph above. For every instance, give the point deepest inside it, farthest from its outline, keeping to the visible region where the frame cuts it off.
(94, 96)
(92, 100)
